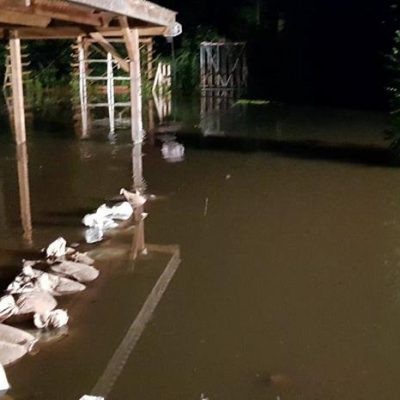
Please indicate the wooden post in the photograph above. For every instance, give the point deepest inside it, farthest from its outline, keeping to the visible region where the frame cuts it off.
(131, 37)
(24, 192)
(82, 56)
(110, 93)
(150, 60)
(17, 89)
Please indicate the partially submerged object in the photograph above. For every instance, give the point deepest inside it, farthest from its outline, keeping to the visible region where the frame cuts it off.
(135, 199)
(173, 151)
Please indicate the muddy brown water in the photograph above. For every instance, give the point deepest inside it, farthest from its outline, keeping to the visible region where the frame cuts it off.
(289, 286)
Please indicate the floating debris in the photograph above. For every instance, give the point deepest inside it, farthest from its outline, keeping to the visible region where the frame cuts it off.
(173, 151)
(135, 199)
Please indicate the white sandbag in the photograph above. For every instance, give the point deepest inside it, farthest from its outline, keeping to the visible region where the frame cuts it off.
(4, 385)
(173, 151)
(121, 211)
(87, 397)
(52, 319)
(98, 221)
(56, 248)
(135, 199)
(34, 280)
(10, 353)
(13, 335)
(80, 272)
(35, 302)
(93, 235)
(58, 285)
(8, 307)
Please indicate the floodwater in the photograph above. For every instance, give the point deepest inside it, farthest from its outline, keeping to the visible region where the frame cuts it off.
(288, 224)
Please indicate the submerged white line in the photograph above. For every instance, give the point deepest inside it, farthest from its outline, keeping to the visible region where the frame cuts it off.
(121, 355)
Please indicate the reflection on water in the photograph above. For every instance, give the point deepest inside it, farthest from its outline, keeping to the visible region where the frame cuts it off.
(289, 284)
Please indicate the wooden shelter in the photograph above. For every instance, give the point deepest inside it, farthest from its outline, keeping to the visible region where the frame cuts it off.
(97, 20)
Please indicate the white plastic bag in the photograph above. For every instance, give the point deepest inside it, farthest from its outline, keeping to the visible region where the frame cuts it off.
(4, 385)
(173, 151)
(94, 235)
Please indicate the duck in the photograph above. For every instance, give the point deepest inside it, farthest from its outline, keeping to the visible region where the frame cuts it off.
(135, 199)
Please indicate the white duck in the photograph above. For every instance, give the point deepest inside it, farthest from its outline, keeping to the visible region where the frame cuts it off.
(135, 199)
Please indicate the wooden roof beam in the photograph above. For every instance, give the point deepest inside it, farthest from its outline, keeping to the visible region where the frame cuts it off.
(109, 48)
(68, 12)
(72, 32)
(136, 9)
(24, 19)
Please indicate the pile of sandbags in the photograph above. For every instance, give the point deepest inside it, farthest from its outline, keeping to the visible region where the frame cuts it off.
(31, 296)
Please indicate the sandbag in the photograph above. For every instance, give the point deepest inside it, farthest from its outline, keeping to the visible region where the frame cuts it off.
(56, 248)
(4, 385)
(120, 211)
(80, 272)
(52, 319)
(8, 307)
(94, 235)
(34, 280)
(35, 302)
(13, 335)
(10, 353)
(99, 221)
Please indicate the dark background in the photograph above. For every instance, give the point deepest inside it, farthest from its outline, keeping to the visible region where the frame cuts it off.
(328, 52)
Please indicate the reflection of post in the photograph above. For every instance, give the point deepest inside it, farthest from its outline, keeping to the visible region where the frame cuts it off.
(17, 89)
(150, 122)
(138, 245)
(24, 193)
(138, 242)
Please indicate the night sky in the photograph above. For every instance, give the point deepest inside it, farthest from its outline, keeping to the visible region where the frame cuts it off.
(328, 52)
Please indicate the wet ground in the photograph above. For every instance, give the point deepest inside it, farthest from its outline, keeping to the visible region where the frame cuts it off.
(288, 226)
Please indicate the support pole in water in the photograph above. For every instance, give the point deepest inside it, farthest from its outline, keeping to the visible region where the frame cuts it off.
(83, 100)
(131, 37)
(110, 92)
(17, 89)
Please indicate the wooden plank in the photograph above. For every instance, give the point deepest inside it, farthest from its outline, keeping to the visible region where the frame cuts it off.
(109, 48)
(141, 10)
(73, 32)
(23, 18)
(66, 12)
(17, 89)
